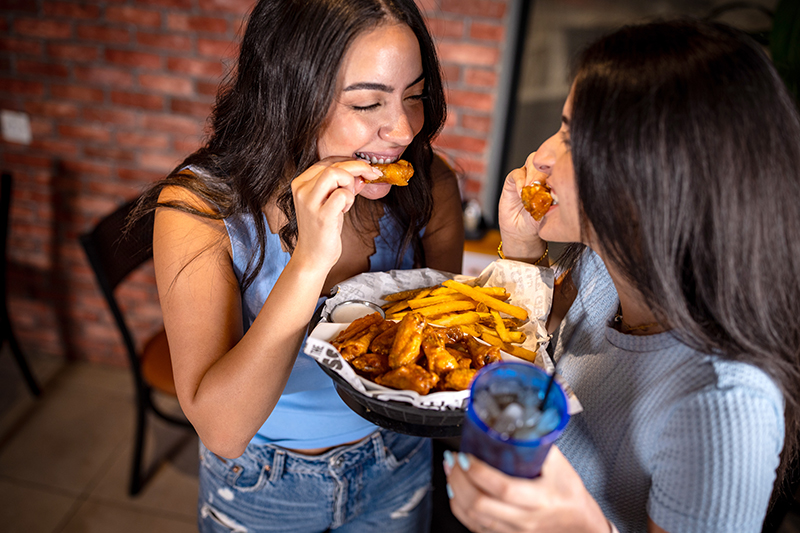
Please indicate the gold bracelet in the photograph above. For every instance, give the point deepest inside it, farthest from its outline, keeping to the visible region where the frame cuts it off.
(501, 255)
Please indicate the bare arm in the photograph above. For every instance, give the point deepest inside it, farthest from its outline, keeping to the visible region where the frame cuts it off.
(228, 383)
(444, 236)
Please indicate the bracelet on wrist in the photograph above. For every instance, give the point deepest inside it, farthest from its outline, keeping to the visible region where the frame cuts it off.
(501, 255)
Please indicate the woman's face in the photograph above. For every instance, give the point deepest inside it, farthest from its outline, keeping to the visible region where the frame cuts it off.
(554, 158)
(378, 106)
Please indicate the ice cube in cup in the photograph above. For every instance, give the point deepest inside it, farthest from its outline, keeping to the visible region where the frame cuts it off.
(503, 425)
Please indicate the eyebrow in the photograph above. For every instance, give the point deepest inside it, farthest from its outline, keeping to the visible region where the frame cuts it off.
(368, 86)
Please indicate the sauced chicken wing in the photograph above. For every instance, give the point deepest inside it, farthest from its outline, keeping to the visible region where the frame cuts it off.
(371, 363)
(382, 344)
(409, 377)
(536, 199)
(357, 326)
(458, 379)
(482, 354)
(359, 344)
(406, 346)
(439, 359)
(397, 173)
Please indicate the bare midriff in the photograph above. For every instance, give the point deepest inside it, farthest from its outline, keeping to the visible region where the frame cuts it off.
(320, 451)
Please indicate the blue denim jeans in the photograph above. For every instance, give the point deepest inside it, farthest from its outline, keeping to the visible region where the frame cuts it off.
(382, 483)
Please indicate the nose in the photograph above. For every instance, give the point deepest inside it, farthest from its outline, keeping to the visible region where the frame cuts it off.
(398, 129)
(545, 156)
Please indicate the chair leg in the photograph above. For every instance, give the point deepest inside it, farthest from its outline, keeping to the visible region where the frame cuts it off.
(20, 357)
(137, 477)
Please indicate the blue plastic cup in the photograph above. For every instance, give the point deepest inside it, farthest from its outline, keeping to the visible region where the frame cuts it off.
(516, 450)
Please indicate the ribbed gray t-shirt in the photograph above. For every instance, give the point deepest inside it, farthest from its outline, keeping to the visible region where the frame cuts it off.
(686, 438)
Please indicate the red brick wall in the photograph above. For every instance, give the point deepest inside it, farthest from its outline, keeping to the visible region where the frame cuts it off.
(118, 92)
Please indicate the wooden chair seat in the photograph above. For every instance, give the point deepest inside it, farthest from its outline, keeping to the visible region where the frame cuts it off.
(157, 365)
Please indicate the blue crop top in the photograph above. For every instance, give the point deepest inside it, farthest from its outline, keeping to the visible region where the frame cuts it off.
(310, 413)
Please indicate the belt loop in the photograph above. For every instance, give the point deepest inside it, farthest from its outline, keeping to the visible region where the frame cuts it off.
(278, 461)
(380, 447)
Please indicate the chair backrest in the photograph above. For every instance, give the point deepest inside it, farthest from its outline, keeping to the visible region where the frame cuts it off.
(114, 253)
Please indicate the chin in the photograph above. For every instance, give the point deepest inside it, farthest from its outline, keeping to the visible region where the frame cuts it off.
(376, 191)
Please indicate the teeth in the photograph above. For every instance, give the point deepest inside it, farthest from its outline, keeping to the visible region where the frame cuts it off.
(375, 160)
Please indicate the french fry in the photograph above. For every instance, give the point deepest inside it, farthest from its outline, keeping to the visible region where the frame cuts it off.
(492, 303)
(446, 307)
(405, 295)
(396, 307)
(518, 351)
(417, 303)
(455, 319)
(500, 327)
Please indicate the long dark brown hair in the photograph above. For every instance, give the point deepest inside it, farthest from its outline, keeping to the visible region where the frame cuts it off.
(687, 130)
(269, 112)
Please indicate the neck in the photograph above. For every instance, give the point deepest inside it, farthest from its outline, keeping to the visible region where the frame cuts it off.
(634, 316)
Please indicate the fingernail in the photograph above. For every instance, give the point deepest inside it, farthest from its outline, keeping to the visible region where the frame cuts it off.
(449, 461)
(463, 461)
(449, 491)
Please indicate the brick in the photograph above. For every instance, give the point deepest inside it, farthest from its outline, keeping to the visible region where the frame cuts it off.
(132, 15)
(41, 69)
(113, 115)
(106, 153)
(481, 77)
(81, 168)
(195, 67)
(22, 88)
(70, 10)
(26, 160)
(158, 162)
(468, 54)
(164, 42)
(471, 100)
(162, 4)
(103, 34)
(144, 101)
(19, 5)
(487, 32)
(189, 23)
(237, 7)
(451, 73)
(207, 88)
(104, 76)
(475, 8)
(55, 147)
(428, 6)
(217, 48)
(446, 28)
(142, 140)
(76, 92)
(173, 124)
(138, 175)
(45, 29)
(74, 52)
(41, 127)
(167, 84)
(133, 59)
(462, 142)
(84, 131)
(183, 146)
(20, 46)
(52, 109)
(477, 123)
(191, 107)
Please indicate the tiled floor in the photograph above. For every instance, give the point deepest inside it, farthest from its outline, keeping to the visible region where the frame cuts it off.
(65, 457)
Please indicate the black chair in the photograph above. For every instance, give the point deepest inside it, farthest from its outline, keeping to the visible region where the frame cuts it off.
(113, 254)
(7, 332)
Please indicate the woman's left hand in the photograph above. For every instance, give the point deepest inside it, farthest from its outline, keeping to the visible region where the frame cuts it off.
(487, 500)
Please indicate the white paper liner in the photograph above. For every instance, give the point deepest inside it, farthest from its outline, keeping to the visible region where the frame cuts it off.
(530, 288)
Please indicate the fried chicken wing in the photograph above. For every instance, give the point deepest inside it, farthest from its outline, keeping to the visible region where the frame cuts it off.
(382, 344)
(439, 359)
(409, 377)
(536, 199)
(397, 173)
(458, 379)
(359, 344)
(408, 340)
(356, 327)
(371, 363)
(482, 354)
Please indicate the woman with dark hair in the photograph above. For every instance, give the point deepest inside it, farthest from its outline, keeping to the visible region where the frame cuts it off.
(677, 165)
(253, 229)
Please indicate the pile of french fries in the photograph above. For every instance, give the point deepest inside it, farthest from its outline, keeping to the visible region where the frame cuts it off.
(482, 312)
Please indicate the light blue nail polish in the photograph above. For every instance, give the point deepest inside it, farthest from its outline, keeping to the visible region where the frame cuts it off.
(463, 461)
(449, 491)
(449, 459)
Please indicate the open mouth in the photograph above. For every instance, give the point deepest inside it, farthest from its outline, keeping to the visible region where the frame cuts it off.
(372, 159)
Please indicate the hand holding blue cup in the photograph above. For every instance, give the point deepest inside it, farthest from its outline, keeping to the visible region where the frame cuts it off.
(504, 425)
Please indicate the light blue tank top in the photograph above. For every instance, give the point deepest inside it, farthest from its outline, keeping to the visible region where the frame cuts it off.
(310, 413)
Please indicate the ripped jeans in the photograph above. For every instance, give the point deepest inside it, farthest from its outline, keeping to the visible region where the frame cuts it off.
(382, 483)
